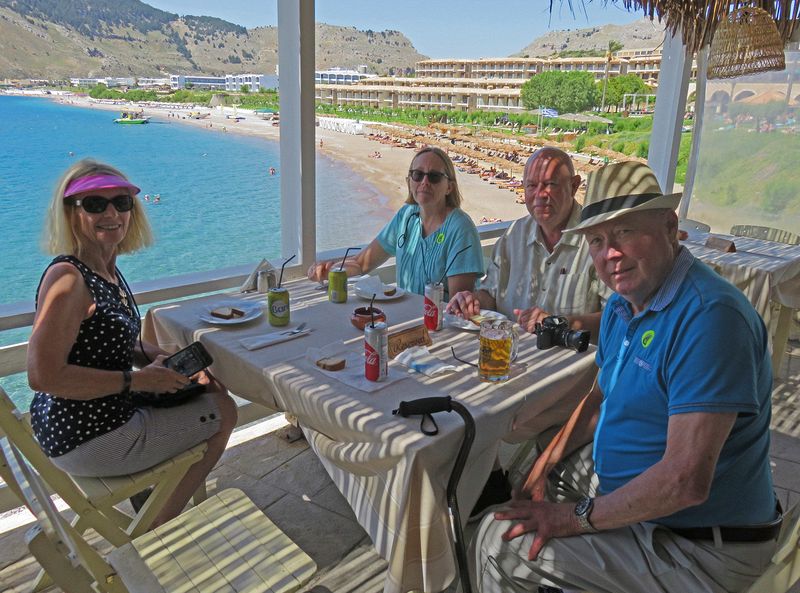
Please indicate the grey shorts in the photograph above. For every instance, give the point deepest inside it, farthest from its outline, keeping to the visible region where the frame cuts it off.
(151, 436)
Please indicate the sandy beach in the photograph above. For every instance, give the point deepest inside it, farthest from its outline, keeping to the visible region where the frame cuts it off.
(482, 200)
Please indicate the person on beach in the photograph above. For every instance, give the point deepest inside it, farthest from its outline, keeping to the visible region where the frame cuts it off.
(537, 271)
(426, 235)
(680, 419)
(86, 340)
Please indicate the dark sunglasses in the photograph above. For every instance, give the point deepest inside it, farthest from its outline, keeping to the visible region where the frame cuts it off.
(433, 176)
(98, 204)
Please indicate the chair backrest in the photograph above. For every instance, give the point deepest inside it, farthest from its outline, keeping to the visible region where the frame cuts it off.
(765, 232)
(62, 537)
(784, 568)
(687, 224)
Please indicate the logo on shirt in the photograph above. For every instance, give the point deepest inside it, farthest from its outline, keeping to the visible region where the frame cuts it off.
(440, 238)
(647, 338)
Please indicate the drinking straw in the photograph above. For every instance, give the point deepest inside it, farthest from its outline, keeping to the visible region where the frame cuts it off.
(349, 249)
(372, 309)
(280, 278)
(447, 269)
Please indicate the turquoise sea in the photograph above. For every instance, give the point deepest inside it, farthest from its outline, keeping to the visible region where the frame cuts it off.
(219, 205)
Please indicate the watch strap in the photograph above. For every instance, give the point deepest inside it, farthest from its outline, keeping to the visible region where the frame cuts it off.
(586, 504)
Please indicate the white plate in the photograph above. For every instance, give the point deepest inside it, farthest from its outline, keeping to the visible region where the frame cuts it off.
(379, 296)
(251, 311)
(461, 323)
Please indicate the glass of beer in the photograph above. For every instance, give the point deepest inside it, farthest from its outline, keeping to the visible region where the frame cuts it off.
(498, 349)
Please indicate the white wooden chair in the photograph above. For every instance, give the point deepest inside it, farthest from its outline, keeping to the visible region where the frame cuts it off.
(765, 232)
(224, 544)
(687, 224)
(94, 500)
(784, 569)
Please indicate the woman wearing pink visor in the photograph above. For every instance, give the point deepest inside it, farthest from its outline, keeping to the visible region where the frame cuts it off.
(87, 412)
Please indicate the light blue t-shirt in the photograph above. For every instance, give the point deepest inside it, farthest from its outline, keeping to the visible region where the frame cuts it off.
(699, 347)
(421, 260)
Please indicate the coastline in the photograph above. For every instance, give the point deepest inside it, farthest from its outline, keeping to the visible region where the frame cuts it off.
(481, 200)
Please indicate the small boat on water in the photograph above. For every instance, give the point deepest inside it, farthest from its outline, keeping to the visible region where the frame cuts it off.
(132, 117)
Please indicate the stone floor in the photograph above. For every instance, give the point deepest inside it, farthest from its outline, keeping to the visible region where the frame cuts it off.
(289, 484)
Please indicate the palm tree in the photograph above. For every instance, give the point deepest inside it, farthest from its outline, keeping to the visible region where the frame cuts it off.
(613, 46)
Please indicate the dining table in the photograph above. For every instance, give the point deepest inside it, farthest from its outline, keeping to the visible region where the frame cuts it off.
(767, 272)
(392, 474)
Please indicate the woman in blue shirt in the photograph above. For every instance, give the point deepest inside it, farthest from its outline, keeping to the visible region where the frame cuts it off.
(425, 235)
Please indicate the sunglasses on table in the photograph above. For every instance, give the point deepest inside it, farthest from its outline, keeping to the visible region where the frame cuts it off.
(98, 204)
(433, 176)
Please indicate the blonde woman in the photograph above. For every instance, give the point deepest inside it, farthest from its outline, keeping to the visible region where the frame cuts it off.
(86, 341)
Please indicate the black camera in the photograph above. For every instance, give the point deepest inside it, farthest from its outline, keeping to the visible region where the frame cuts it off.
(555, 331)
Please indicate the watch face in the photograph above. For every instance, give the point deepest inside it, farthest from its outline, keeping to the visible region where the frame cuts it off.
(583, 505)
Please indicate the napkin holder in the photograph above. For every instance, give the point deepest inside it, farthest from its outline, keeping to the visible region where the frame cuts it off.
(406, 338)
(251, 284)
(720, 244)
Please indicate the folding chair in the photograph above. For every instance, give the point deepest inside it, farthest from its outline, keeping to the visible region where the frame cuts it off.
(784, 568)
(94, 500)
(224, 544)
(765, 232)
(687, 224)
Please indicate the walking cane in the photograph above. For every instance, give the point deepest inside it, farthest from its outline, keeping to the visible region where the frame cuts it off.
(431, 405)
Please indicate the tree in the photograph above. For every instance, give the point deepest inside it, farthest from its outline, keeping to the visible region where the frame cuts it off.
(568, 92)
(613, 46)
(245, 88)
(621, 85)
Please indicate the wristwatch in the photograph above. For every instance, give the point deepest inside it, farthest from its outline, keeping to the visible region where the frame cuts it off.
(582, 511)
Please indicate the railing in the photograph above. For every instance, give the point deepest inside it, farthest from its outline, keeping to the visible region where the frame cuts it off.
(20, 315)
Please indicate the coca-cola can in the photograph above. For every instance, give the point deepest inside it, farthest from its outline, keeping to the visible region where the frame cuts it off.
(434, 308)
(376, 351)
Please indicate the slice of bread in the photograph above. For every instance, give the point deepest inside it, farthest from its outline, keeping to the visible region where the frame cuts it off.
(332, 363)
(227, 312)
(389, 290)
(477, 319)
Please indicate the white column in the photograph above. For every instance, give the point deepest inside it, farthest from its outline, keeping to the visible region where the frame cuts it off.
(673, 84)
(697, 131)
(296, 71)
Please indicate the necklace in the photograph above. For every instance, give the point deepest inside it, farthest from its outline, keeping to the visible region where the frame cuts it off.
(123, 296)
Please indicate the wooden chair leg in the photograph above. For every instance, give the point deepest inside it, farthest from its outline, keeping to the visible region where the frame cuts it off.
(70, 578)
(200, 494)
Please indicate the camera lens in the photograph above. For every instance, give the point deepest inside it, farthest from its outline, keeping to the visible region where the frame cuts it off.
(578, 340)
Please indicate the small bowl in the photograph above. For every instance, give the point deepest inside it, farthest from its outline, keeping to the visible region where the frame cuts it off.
(362, 316)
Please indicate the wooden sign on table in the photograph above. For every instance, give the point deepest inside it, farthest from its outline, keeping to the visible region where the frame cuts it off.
(413, 336)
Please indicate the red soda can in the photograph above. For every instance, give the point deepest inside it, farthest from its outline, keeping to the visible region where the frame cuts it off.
(376, 351)
(434, 308)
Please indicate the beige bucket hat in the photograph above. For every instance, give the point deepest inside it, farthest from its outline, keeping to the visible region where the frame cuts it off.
(619, 189)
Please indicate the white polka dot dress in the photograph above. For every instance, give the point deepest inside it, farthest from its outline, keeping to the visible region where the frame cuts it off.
(105, 341)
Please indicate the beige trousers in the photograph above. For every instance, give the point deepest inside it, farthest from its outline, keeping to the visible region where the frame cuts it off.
(641, 558)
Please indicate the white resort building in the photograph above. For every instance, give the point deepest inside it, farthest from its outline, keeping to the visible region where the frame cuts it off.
(485, 83)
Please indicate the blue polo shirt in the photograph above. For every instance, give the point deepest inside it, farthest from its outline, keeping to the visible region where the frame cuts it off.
(699, 347)
(424, 259)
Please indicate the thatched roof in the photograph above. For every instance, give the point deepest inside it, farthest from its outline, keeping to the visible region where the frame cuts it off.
(698, 19)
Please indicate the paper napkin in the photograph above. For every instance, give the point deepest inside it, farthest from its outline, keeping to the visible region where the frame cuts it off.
(250, 284)
(353, 372)
(419, 358)
(257, 342)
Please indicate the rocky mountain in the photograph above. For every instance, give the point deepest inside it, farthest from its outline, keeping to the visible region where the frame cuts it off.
(639, 34)
(55, 39)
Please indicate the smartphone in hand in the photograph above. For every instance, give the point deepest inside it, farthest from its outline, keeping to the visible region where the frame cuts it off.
(192, 359)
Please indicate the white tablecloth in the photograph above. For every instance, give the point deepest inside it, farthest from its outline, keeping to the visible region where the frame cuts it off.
(764, 270)
(393, 476)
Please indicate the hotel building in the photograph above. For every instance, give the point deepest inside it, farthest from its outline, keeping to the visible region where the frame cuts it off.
(487, 83)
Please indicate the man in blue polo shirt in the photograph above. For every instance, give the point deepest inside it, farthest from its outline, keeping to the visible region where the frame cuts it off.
(680, 419)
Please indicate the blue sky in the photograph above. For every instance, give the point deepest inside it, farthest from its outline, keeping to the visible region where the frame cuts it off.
(462, 28)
